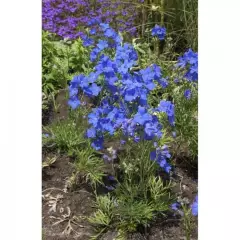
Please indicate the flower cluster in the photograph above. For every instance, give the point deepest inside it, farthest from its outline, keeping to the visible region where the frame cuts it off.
(189, 60)
(194, 207)
(159, 32)
(124, 94)
(161, 156)
(68, 18)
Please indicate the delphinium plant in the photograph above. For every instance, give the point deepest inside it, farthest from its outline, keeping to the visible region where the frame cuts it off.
(185, 97)
(122, 112)
(182, 89)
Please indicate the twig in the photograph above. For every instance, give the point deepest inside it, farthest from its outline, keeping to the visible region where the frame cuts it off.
(58, 189)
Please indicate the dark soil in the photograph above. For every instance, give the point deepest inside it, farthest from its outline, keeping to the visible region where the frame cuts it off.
(55, 183)
(65, 208)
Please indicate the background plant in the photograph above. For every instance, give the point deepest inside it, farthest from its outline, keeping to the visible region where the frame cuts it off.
(61, 60)
(67, 135)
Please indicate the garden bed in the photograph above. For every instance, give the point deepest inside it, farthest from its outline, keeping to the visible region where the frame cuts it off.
(120, 144)
(80, 201)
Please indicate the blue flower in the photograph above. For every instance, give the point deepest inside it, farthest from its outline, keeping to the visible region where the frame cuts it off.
(168, 108)
(195, 207)
(109, 32)
(94, 54)
(189, 60)
(137, 139)
(158, 31)
(142, 116)
(92, 90)
(153, 155)
(187, 94)
(92, 31)
(73, 91)
(111, 178)
(104, 26)
(175, 206)
(74, 102)
(161, 155)
(88, 42)
(91, 133)
(97, 144)
(102, 44)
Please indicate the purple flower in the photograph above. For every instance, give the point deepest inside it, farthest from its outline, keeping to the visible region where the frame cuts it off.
(107, 158)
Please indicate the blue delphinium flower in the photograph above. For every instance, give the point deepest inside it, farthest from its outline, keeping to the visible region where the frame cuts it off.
(187, 94)
(102, 44)
(161, 155)
(158, 31)
(175, 206)
(91, 133)
(142, 116)
(88, 42)
(92, 31)
(97, 144)
(189, 60)
(168, 108)
(195, 206)
(74, 102)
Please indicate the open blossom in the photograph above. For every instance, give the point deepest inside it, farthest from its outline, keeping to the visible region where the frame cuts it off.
(189, 61)
(159, 32)
(194, 206)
